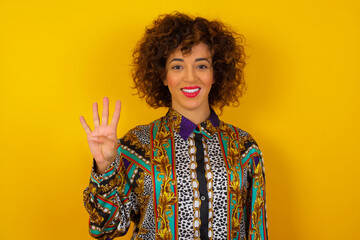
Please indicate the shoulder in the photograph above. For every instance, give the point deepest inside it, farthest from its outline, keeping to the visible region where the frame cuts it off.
(249, 149)
(139, 136)
(237, 132)
(134, 147)
(246, 141)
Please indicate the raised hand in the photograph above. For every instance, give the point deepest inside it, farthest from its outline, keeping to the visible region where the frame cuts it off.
(103, 140)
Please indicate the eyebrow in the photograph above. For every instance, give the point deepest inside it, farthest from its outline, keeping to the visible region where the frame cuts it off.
(176, 59)
(202, 59)
(196, 60)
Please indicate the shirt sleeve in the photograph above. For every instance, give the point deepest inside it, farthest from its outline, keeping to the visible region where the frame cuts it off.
(256, 212)
(109, 207)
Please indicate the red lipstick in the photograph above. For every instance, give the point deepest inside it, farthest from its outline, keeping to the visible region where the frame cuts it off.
(191, 91)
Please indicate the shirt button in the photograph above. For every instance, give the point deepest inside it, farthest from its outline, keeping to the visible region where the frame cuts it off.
(202, 198)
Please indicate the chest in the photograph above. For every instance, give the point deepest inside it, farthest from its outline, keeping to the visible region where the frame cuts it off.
(175, 189)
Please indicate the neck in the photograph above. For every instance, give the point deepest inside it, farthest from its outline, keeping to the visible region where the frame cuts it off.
(196, 116)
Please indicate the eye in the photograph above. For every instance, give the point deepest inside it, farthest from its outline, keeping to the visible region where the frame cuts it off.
(202, 66)
(176, 67)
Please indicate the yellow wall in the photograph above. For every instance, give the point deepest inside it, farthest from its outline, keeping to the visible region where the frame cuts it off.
(302, 106)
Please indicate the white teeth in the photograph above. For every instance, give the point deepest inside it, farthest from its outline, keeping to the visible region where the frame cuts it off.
(191, 90)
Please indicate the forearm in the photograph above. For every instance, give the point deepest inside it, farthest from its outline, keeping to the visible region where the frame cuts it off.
(104, 203)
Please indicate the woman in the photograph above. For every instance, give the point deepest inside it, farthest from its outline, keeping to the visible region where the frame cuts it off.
(187, 175)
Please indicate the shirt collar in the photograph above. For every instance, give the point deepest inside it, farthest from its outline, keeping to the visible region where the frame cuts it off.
(185, 127)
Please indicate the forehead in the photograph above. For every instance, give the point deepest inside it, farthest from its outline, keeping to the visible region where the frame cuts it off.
(200, 50)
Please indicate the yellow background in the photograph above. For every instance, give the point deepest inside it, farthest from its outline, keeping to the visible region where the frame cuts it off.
(302, 106)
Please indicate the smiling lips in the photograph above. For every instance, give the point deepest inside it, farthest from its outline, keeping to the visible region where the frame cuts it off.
(191, 92)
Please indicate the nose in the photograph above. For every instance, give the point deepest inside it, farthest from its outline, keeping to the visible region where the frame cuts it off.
(189, 74)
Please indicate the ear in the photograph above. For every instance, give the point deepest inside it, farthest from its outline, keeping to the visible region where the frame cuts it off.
(165, 82)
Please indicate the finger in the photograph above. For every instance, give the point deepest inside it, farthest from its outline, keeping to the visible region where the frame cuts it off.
(96, 114)
(85, 125)
(105, 112)
(116, 116)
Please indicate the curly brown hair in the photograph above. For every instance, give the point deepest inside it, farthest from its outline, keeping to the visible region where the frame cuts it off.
(165, 35)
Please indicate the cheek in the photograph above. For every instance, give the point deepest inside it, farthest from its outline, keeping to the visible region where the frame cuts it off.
(210, 80)
(172, 80)
(168, 79)
(170, 84)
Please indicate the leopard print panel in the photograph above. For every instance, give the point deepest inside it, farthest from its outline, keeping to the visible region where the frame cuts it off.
(185, 192)
(218, 169)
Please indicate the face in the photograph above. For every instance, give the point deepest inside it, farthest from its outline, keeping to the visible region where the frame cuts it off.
(189, 79)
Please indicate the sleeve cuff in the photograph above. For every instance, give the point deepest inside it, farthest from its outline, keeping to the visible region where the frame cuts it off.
(110, 171)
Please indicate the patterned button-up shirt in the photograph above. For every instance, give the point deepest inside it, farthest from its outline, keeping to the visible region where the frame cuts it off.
(158, 183)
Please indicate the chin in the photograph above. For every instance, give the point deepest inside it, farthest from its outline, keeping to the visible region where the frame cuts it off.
(193, 106)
